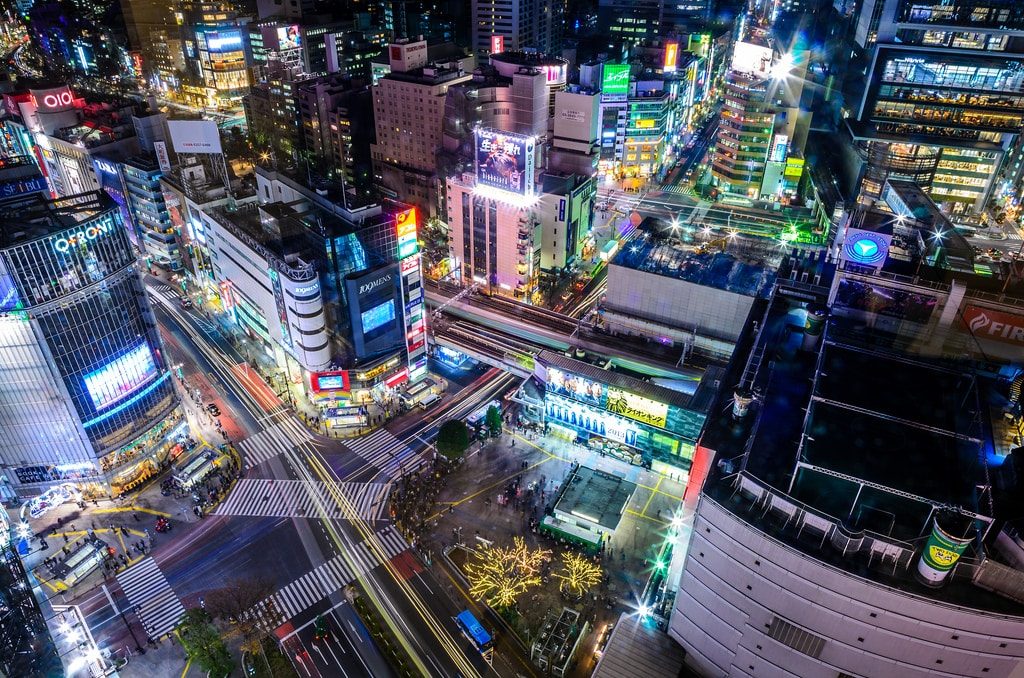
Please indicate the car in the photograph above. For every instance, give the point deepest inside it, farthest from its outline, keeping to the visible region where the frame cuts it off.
(186, 302)
(163, 525)
(320, 630)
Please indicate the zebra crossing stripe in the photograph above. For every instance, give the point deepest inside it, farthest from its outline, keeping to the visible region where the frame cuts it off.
(379, 448)
(331, 576)
(262, 497)
(147, 590)
(282, 436)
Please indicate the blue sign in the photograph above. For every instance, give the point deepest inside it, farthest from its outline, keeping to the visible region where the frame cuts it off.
(866, 248)
(12, 188)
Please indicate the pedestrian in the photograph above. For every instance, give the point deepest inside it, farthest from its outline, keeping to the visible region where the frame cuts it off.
(135, 516)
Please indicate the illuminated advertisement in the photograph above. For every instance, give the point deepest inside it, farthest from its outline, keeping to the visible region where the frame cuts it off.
(329, 381)
(8, 292)
(615, 79)
(405, 230)
(504, 161)
(10, 189)
(866, 248)
(995, 325)
(637, 407)
(780, 144)
(282, 311)
(671, 56)
(378, 316)
(224, 41)
(288, 37)
(53, 100)
(576, 387)
(599, 423)
(497, 44)
(120, 377)
(940, 554)
(888, 301)
(89, 231)
(554, 74)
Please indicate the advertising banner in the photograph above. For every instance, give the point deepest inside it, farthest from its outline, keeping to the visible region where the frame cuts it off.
(940, 554)
(671, 56)
(329, 381)
(10, 189)
(288, 38)
(615, 79)
(985, 323)
(497, 44)
(575, 387)
(162, 158)
(194, 136)
(637, 407)
(503, 161)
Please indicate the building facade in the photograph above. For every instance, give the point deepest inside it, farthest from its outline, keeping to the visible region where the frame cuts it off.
(87, 397)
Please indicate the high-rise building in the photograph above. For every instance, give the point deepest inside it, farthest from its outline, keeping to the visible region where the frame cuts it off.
(861, 489)
(514, 25)
(215, 59)
(939, 102)
(408, 110)
(82, 37)
(148, 208)
(762, 131)
(86, 391)
(629, 21)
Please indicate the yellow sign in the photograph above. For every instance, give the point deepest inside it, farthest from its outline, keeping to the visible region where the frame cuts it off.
(377, 371)
(637, 407)
(644, 124)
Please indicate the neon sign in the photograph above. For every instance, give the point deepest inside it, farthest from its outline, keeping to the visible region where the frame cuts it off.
(101, 226)
(866, 248)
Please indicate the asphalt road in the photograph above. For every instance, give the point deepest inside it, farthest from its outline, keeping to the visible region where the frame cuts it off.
(287, 549)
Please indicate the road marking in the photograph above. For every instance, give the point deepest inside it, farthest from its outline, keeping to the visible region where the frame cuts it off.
(147, 589)
(385, 451)
(110, 599)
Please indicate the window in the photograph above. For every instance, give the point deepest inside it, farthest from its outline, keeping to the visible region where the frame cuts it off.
(792, 636)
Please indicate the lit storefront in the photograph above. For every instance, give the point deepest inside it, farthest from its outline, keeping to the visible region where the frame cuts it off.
(619, 415)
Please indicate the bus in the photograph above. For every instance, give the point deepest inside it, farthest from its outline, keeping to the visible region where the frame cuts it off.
(476, 633)
(477, 422)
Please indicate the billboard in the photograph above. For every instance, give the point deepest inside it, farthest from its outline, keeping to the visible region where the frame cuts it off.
(615, 79)
(224, 41)
(288, 37)
(405, 231)
(194, 136)
(329, 381)
(497, 44)
(120, 377)
(671, 56)
(637, 407)
(504, 161)
(53, 100)
(577, 388)
(10, 189)
(8, 291)
(374, 303)
(940, 554)
(162, 158)
(985, 323)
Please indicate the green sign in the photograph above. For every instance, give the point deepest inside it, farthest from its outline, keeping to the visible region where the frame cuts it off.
(940, 554)
(616, 79)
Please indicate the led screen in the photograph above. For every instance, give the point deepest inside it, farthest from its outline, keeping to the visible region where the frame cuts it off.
(504, 161)
(120, 377)
(378, 316)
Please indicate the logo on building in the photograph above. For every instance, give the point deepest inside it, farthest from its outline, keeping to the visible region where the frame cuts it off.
(867, 249)
(374, 284)
(101, 226)
(986, 323)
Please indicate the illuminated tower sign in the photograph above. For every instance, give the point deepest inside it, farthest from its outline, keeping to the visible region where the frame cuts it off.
(412, 293)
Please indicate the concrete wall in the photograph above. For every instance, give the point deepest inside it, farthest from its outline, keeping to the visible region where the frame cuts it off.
(736, 580)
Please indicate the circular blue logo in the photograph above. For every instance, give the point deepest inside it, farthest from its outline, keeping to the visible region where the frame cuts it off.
(866, 249)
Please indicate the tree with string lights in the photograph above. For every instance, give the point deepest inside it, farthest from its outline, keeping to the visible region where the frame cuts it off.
(499, 575)
(578, 574)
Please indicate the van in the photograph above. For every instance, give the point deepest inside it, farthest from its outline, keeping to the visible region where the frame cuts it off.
(428, 400)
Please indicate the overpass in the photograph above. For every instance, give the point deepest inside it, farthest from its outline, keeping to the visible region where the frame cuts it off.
(507, 334)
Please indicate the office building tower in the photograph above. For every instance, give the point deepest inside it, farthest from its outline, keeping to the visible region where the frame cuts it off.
(86, 391)
(81, 37)
(408, 109)
(148, 209)
(215, 60)
(514, 25)
(629, 21)
(939, 104)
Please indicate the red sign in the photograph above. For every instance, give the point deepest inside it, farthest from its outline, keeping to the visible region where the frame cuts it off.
(329, 381)
(59, 98)
(397, 378)
(984, 323)
(497, 44)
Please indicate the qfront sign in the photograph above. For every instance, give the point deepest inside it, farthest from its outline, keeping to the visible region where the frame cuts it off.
(985, 323)
(98, 227)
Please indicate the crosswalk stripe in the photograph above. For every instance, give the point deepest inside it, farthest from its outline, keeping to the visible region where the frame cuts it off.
(302, 499)
(331, 576)
(148, 591)
(282, 436)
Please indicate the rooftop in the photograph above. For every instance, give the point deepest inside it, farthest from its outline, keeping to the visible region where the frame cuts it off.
(635, 650)
(595, 496)
(33, 215)
(722, 270)
(854, 439)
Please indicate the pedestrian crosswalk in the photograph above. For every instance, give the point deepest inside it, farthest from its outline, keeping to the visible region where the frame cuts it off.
(279, 437)
(385, 451)
(300, 498)
(336, 573)
(149, 593)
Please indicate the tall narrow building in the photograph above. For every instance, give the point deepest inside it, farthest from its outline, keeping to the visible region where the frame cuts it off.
(503, 25)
